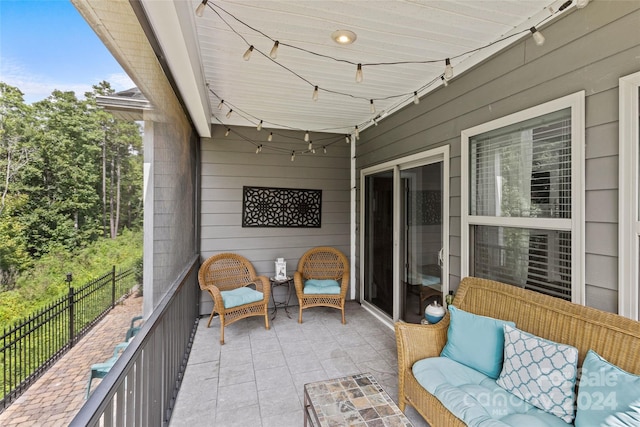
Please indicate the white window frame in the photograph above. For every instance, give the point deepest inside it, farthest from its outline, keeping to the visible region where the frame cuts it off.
(629, 217)
(575, 225)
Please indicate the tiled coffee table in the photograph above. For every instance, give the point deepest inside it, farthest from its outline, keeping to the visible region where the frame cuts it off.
(356, 400)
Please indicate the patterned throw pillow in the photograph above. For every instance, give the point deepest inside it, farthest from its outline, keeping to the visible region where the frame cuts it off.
(540, 372)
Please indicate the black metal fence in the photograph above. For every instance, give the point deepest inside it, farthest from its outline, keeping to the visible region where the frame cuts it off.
(30, 346)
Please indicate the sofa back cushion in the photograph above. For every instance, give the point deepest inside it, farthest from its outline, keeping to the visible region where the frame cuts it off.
(607, 395)
(614, 337)
(475, 341)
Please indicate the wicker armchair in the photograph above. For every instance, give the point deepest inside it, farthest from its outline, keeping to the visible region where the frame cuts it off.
(322, 263)
(227, 272)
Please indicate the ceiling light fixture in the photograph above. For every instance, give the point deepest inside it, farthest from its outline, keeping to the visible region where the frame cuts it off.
(344, 36)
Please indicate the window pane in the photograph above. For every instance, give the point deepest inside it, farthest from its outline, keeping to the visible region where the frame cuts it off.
(523, 170)
(539, 260)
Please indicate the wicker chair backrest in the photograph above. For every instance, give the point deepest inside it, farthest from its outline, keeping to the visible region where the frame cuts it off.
(323, 263)
(228, 271)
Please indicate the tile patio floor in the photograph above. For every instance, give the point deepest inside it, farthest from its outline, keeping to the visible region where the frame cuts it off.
(256, 378)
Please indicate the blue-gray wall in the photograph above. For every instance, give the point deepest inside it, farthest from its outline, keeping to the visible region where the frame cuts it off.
(589, 49)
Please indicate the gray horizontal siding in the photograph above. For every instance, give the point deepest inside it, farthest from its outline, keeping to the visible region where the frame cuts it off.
(589, 49)
(229, 163)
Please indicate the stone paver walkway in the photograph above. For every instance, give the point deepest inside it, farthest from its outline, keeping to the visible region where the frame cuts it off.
(59, 394)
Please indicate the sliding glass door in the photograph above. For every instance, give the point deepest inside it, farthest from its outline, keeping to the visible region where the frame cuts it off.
(404, 241)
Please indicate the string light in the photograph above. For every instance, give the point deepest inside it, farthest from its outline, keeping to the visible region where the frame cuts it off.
(259, 128)
(270, 137)
(306, 136)
(293, 156)
(347, 139)
(227, 132)
(247, 53)
(259, 149)
(357, 132)
(200, 8)
(274, 50)
(447, 75)
(310, 147)
(324, 149)
(448, 69)
(537, 36)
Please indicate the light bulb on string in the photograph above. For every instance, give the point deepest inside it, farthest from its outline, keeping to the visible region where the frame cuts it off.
(324, 149)
(372, 107)
(357, 132)
(315, 94)
(247, 54)
(201, 7)
(347, 139)
(258, 149)
(293, 156)
(310, 148)
(448, 69)
(221, 104)
(306, 136)
(274, 50)
(229, 113)
(446, 83)
(259, 128)
(537, 36)
(227, 132)
(416, 99)
(270, 137)
(359, 74)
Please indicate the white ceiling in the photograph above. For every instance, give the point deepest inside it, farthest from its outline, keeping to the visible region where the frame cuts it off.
(205, 51)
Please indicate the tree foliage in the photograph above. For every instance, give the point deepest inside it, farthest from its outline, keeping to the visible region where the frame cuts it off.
(68, 172)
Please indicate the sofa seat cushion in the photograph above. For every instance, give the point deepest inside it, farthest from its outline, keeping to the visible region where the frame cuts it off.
(240, 296)
(475, 398)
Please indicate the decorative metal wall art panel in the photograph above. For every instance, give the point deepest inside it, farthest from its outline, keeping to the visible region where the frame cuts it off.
(281, 207)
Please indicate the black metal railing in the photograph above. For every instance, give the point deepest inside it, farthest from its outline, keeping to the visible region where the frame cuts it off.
(30, 346)
(142, 386)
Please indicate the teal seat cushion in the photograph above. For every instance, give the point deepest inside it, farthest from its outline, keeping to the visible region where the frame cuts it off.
(476, 398)
(607, 395)
(240, 296)
(475, 341)
(540, 371)
(321, 286)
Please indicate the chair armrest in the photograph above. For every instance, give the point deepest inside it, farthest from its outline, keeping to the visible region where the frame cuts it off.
(218, 303)
(298, 280)
(263, 285)
(417, 342)
(344, 285)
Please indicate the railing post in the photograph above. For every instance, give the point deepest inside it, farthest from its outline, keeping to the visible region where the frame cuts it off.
(113, 286)
(71, 317)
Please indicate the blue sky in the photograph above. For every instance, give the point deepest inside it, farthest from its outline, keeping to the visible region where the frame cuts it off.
(47, 45)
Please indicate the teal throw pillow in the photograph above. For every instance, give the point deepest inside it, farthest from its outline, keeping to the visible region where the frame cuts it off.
(475, 341)
(240, 296)
(607, 395)
(540, 372)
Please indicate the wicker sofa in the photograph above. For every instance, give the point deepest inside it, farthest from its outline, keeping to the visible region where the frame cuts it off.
(614, 337)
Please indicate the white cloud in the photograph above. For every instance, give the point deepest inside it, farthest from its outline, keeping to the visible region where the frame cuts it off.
(37, 87)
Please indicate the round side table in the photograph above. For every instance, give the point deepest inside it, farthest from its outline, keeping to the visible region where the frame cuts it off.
(288, 281)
